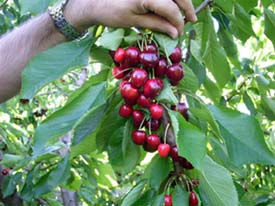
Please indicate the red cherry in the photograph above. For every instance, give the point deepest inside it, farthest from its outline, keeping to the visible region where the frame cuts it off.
(5, 171)
(164, 150)
(143, 101)
(160, 82)
(174, 83)
(122, 83)
(153, 140)
(118, 72)
(193, 200)
(139, 77)
(160, 69)
(152, 124)
(176, 55)
(168, 200)
(138, 117)
(175, 72)
(151, 48)
(148, 60)
(119, 55)
(128, 92)
(181, 108)
(139, 137)
(156, 111)
(125, 110)
(152, 88)
(174, 154)
(132, 56)
(149, 148)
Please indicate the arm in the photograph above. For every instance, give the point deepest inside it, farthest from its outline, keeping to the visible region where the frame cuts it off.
(39, 34)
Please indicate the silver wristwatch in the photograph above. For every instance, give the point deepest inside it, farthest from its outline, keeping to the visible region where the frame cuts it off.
(61, 23)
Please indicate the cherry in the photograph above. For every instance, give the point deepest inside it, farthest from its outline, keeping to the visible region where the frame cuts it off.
(160, 69)
(139, 137)
(156, 111)
(138, 117)
(132, 56)
(175, 72)
(174, 83)
(174, 154)
(128, 92)
(149, 148)
(181, 108)
(143, 101)
(148, 60)
(153, 140)
(152, 88)
(118, 72)
(122, 83)
(193, 200)
(5, 171)
(125, 110)
(119, 55)
(151, 48)
(164, 150)
(160, 82)
(152, 124)
(139, 77)
(168, 200)
(176, 55)
(186, 164)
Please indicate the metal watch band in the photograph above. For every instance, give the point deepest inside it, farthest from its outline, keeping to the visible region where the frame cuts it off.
(61, 23)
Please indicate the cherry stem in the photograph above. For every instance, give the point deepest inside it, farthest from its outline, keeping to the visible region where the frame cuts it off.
(150, 132)
(166, 131)
(140, 126)
(168, 184)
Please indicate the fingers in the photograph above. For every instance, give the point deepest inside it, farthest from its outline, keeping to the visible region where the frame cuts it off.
(166, 9)
(188, 8)
(157, 23)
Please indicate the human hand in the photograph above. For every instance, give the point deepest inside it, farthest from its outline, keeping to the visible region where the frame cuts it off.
(162, 15)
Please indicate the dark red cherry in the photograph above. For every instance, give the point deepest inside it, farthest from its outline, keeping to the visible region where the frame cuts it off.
(193, 200)
(160, 69)
(118, 72)
(181, 108)
(138, 117)
(139, 77)
(156, 111)
(125, 110)
(122, 83)
(174, 83)
(153, 124)
(186, 164)
(176, 55)
(151, 48)
(129, 93)
(139, 137)
(168, 200)
(153, 140)
(152, 88)
(144, 101)
(119, 55)
(174, 154)
(175, 72)
(132, 56)
(148, 60)
(5, 171)
(160, 82)
(24, 101)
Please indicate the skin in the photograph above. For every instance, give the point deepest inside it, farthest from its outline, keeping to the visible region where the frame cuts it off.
(40, 34)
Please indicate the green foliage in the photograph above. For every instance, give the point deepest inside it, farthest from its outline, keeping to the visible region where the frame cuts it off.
(79, 143)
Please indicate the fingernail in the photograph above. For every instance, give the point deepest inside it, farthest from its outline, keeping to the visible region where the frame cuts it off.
(174, 33)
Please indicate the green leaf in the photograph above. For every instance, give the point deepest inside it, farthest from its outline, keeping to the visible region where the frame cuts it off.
(190, 140)
(166, 43)
(9, 184)
(34, 7)
(226, 5)
(145, 199)
(243, 137)
(248, 5)
(190, 82)
(167, 95)
(163, 168)
(88, 123)
(241, 23)
(180, 196)
(10, 160)
(53, 64)
(111, 39)
(54, 178)
(127, 142)
(270, 25)
(212, 90)
(249, 104)
(134, 194)
(62, 121)
(100, 55)
(216, 185)
(268, 106)
(215, 57)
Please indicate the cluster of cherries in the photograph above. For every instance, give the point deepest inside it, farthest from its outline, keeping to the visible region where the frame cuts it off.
(142, 72)
(193, 200)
